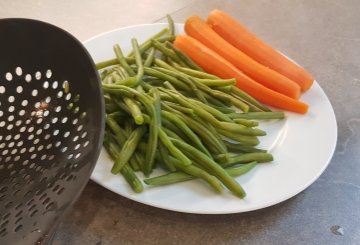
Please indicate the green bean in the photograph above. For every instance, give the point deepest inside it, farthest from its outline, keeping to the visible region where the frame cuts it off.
(207, 162)
(166, 158)
(240, 148)
(163, 64)
(118, 131)
(147, 44)
(217, 82)
(238, 128)
(236, 91)
(119, 103)
(259, 115)
(247, 140)
(166, 51)
(177, 107)
(128, 149)
(153, 132)
(246, 122)
(150, 58)
(126, 171)
(173, 133)
(134, 110)
(184, 58)
(110, 108)
(195, 73)
(172, 149)
(166, 77)
(216, 113)
(243, 169)
(259, 157)
(187, 131)
(171, 25)
(176, 177)
(120, 56)
(112, 62)
(139, 64)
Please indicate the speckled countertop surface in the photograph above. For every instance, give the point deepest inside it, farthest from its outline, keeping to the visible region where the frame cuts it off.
(323, 36)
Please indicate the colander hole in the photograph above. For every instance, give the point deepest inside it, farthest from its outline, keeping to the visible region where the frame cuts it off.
(28, 121)
(11, 144)
(18, 220)
(28, 77)
(2, 124)
(46, 201)
(60, 94)
(43, 157)
(70, 156)
(37, 104)
(58, 109)
(17, 228)
(46, 85)
(46, 113)
(24, 102)
(64, 120)
(46, 126)
(11, 108)
(7, 159)
(68, 96)
(49, 146)
(54, 85)
(75, 121)
(77, 155)
(3, 232)
(56, 132)
(75, 138)
(11, 118)
(3, 224)
(33, 156)
(51, 157)
(2, 90)
(77, 98)
(30, 137)
(9, 127)
(8, 76)
(31, 166)
(64, 149)
(31, 149)
(80, 127)
(76, 110)
(18, 71)
(38, 75)
(39, 120)
(11, 98)
(5, 152)
(42, 196)
(13, 151)
(2, 145)
(50, 206)
(22, 129)
(77, 147)
(17, 158)
(8, 137)
(34, 92)
(19, 89)
(39, 131)
(25, 162)
(48, 99)
(61, 191)
(58, 143)
(1, 113)
(54, 120)
(66, 134)
(21, 112)
(23, 150)
(33, 213)
(40, 148)
(36, 141)
(86, 143)
(31, 129)
(20, 143)
(48, 73)
(18, 122)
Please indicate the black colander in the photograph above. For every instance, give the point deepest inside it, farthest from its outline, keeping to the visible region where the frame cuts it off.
(51, 127)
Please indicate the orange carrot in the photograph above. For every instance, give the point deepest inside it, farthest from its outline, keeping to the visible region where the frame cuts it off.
(213, 63)
(198, 29)
(236, 34)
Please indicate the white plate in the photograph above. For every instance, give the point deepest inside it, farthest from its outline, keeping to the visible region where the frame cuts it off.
(302, 146)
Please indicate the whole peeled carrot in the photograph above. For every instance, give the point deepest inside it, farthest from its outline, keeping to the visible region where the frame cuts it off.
(198, 29)
(236, 34)
(213, 63)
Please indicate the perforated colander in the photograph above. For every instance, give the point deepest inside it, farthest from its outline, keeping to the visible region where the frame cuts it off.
(51, 127)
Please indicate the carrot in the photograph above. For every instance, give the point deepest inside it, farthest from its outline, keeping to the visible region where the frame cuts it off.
(213, 63)
(236, 34)
(198, 29)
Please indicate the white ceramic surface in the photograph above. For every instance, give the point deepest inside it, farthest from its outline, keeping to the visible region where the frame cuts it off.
(302, 146)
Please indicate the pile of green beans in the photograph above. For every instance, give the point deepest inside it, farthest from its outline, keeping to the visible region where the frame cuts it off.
(163, 111)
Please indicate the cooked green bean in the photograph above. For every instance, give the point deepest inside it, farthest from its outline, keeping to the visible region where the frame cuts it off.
(122, 61)
(259, 157)
(171, 24)
(166, 51)
(236, 91)
(184, 58)
(246, 122)
(134, 110)
(195, 73)
(150, 58)
(138, 59)
(240, 148)
(259, 115)
(208, 163)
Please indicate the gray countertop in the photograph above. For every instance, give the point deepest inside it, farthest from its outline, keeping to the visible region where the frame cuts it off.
(323, 36)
